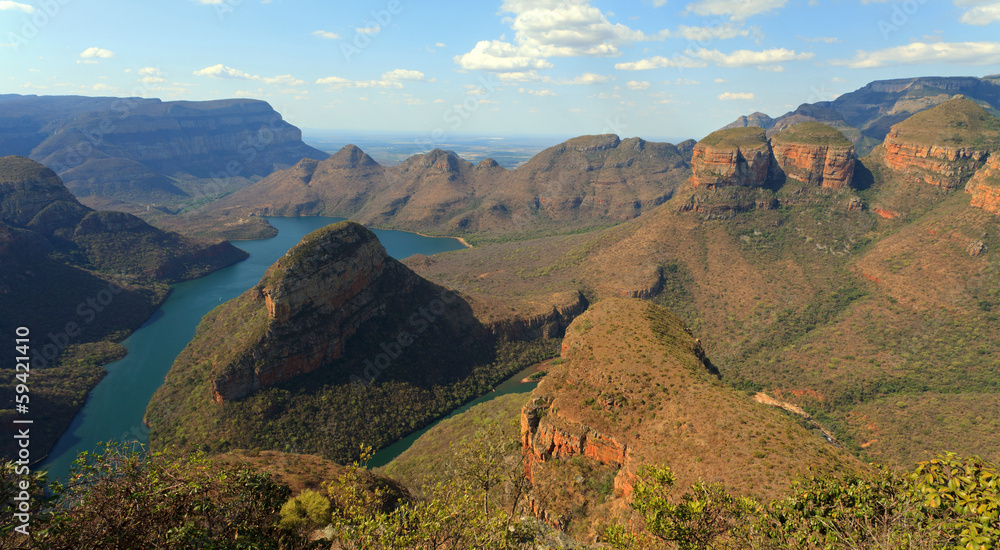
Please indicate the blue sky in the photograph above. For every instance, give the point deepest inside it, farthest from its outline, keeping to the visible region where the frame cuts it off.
(658, 69)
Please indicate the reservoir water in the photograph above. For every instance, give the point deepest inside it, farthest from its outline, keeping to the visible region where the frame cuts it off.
(115, 408)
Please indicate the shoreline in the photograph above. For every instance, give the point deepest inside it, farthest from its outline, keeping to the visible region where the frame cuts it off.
(459, 239)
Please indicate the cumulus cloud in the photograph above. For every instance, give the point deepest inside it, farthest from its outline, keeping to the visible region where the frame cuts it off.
(732, 96)
(735, 9)
(658, 62)
(981, 12)
(336, 83)
(587, 78)
(551, 28)
(638, 84)
(229, 73)
(221, 71)
(701, 57)
(496, 55)
(722, 31)
(404, 74)
(94, 53)
(326, 34)
(743, 58)
(15, 6)
(916, 53)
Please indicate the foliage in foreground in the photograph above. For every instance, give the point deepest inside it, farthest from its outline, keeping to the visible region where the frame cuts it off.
(119, 498)
(945, 503)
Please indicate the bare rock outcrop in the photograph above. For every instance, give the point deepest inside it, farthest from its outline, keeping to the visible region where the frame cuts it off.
(733, 157)
(307, 306)
(815, 153)
(985, 186)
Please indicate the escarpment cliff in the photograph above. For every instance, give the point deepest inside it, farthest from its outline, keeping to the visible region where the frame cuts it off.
(306, 308)
(811, 152)
(147, 150)
(733, 157)
(816, 154)
(943, 146)
(635, 388)
(985, 186)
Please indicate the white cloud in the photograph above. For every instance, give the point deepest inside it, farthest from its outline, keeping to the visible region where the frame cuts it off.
(587, 78)
(638, 84)
(15, 6)
(735, 9)
(544, 92)
(496, 55)
(771, 68)
(149, 71)
(221, 71)
(326, 34)
(94, 52)
(700, 58)
(373, 30)
(149, 80)
(283, 80)
(822, 39)
(522, 76)
(962, 53)
(439, 44)
(743, 58)
(102, 88)
(718, 32)
(229, 73)
(404, 74)
(551, 28)
(982, 12)
(336, 82)
(731, 96)
(658, 62)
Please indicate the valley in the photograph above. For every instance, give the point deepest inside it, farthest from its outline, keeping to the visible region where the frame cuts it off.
(761, 312)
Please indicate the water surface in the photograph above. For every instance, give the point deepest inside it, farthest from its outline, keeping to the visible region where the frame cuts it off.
(115, 408)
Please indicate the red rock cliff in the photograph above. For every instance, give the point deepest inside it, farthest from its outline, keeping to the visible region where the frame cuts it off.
(823, 165)
(985, 186)
(942, 166)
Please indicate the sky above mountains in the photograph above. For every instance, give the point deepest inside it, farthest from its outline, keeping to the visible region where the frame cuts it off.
(660, 69)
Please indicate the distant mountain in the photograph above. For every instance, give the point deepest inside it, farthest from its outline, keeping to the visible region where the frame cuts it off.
(150, 151)
(80, 280)
(585, 182)
(865, 115)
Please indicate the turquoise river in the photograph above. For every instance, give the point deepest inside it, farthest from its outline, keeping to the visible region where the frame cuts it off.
(115, 408)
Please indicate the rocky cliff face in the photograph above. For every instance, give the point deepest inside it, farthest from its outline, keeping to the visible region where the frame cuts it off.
(307, 306)
(733, 157)
(811, 152)
(985, 186)
(816, 154)
(822, 165)
(945, 145)
(943, 166)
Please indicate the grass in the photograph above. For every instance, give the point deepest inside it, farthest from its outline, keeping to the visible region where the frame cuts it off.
(749, 137)
(813, 133)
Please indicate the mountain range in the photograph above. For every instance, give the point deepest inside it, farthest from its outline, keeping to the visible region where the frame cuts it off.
(746, 308)
(146, 151)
